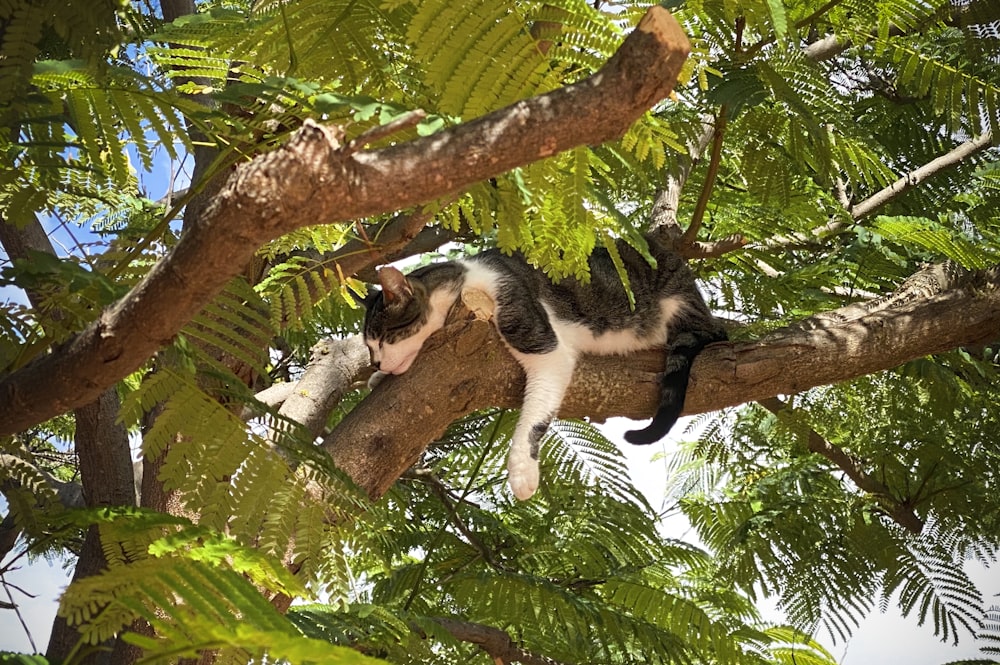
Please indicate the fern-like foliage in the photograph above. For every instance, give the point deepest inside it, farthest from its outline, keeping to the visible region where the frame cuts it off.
(777, 514)
(199, 589)
(583, 572)
(73, 133)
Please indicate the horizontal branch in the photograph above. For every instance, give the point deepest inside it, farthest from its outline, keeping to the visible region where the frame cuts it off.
(495, 642)
(466, 367)
(314, 179)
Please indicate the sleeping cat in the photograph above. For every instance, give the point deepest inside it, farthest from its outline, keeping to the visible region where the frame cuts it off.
(547, 326)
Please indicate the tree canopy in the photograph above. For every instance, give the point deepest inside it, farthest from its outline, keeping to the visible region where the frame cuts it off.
(230, 174)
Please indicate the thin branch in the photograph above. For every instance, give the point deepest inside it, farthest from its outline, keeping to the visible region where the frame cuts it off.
(332, 369)
(801, 23)
(708, 250)
(497, 644)
(441, 492)
(20, 617)
(403, 122)
(900, 511)
(275, 395)
(952, 158)
(865, 208)
(713, 171)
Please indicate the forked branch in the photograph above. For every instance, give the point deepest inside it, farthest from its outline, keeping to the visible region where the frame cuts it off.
(900, 512)
(314, 179)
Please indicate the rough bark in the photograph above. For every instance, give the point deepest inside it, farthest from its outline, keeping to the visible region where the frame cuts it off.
(329, 374)
(466, 367)
(108, 479)
(314, 178)
(102, 448)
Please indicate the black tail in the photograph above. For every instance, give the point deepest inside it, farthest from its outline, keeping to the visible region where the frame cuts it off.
(673, 385)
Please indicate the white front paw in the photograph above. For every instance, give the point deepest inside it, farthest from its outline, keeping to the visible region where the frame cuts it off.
(522, 474)
(376, 378)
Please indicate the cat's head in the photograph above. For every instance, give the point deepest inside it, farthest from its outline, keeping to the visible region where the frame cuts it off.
(395, 321)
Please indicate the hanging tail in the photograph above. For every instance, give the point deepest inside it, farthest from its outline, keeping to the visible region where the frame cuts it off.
(673, 384)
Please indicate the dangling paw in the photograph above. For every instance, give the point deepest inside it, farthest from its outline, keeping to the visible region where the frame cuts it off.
(522, 474)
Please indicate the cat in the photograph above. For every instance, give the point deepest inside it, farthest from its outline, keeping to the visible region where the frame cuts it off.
(546, 326)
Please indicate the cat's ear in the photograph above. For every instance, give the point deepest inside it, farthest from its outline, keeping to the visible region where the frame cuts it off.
(395, 287)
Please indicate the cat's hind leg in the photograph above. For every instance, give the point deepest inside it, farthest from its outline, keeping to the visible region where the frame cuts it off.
(547, 377)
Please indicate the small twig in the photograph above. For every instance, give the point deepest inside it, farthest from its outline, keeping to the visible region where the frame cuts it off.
(404, 121)
(439, 490)
(713, 171)
(801, 23)
(17, 610)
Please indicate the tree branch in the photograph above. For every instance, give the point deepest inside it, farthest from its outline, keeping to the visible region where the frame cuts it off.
(495, 642)
(718, 134)
(332, 369)
(441, 492)
(313, 179)
(899, 511)
(467, 367)
(711, 249)
(913, 178)
(865, 208)
(666, 203)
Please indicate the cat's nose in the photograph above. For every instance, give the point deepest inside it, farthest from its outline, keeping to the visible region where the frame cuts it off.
(377, 363)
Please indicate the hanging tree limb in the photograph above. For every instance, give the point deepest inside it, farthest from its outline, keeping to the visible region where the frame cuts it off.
(314, 179)
(495, 642)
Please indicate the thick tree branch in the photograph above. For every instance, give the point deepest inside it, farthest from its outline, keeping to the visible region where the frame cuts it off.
(466, 367)
(900, 512)
(666, 203)
(330, 372)
(313, 179)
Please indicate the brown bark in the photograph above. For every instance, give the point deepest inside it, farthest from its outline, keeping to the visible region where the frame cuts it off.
(102, 448)
(500, 646)
(466, 367)
(313, 178)
(108, 479)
